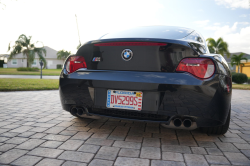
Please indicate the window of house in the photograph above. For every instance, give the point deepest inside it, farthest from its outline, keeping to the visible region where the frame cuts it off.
(22, 60)
(34, 62)
(14, 61)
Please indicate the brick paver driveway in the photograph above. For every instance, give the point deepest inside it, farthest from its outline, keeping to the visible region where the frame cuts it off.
(35, 130)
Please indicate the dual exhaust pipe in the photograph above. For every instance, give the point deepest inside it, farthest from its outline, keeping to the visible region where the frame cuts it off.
(186, 122)
(78, 111)
(177, 121)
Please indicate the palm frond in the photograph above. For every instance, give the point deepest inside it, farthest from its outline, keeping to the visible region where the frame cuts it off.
(23, 40)
(41, 57)
(19, 46)
(241, 55)
(23, 45)
(15, 50)
(211, 49)
(236, 59)
(219, 41)
(9, 47)
(44, 51)
(40, 49)
(211, 42)
(233, 63)
(218, 46)
(11, 56)
(228, 54)
(62, 54)
(40, 52)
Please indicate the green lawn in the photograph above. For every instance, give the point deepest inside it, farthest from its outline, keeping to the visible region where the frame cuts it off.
(16, 84)
(241, 86)
(13, 71)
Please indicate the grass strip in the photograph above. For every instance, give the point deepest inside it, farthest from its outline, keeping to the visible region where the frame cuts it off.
(241, 86)
(46, 72)
(16, 84)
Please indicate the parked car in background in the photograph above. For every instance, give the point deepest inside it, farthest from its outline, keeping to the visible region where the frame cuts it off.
(158, 73)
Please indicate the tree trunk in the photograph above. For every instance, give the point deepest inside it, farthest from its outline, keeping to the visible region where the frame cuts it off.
(27, 55)
(239, 69)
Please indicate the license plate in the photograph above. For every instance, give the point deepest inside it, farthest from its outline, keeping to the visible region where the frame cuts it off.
(131, 100)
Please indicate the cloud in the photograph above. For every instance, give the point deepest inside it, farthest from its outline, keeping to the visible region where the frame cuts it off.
(202, 23)
(233, 4)
(244, 23)
(243, 15)
(217, 23)
(225, 30)
(220, 31)
(238, 41)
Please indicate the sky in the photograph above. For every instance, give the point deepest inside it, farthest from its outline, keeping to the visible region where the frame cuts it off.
(53, 22)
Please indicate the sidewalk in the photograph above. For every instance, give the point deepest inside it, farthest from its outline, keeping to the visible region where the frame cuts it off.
(29, 76)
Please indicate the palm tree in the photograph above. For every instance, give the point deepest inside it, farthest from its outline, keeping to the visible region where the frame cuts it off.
(62, 54)
(235, 60)
(24, 45)
(218, 47)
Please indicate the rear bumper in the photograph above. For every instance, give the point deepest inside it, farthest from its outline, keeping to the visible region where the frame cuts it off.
(165, 95)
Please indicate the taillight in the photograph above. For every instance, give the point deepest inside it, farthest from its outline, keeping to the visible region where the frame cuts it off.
(130, 44)
(74, 63)
(199, 67)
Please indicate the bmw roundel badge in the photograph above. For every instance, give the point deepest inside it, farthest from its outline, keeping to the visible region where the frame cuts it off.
(127, 54)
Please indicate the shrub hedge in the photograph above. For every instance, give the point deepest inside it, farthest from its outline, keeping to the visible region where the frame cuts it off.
(239, 78)
(58, 66)
(27, 69)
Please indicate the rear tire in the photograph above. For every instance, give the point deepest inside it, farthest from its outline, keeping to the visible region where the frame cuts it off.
(218, 129)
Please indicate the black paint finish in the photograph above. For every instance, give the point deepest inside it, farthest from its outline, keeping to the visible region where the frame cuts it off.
(166, 93)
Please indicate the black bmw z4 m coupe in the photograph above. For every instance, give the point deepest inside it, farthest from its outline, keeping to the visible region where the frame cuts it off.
(160, 74)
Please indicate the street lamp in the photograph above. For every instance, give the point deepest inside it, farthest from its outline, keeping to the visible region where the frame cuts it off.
(41, 64)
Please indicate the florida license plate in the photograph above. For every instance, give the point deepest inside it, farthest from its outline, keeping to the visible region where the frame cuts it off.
(131, 100)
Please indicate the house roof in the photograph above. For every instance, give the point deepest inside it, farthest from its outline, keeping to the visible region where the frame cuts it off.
(4, 55)
(235, 53)
(50, 54)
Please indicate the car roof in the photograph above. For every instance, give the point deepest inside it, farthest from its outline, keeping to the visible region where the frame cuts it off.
(157, 32)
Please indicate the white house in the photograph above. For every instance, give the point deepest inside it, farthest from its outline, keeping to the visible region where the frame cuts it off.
(21, 61)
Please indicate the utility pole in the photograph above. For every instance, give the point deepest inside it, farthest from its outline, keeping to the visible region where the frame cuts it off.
(78, 30)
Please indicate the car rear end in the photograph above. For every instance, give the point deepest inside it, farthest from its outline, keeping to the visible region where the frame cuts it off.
(163, 80)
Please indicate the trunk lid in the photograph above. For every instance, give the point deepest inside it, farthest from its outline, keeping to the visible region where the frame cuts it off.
(163, 57)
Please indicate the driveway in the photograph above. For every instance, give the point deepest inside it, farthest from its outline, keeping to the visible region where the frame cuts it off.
(35, 130)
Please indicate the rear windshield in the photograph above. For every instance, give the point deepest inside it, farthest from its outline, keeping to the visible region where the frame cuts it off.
(159, 32)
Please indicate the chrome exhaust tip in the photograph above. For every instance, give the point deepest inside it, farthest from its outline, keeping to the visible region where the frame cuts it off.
(73, 111)
(80, 111)
(177, 122)
(187, 123)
